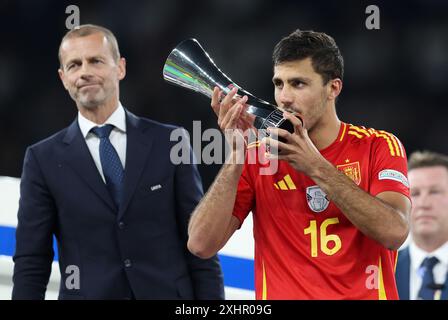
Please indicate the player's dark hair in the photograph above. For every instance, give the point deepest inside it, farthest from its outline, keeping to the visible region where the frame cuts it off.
(424, 159)
(87, 30)
(320, 47)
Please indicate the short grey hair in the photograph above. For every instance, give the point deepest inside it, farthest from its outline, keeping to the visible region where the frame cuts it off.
(87, 30)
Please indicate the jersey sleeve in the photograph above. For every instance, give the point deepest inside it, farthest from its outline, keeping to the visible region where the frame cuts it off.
(389, 165)
(245, 196)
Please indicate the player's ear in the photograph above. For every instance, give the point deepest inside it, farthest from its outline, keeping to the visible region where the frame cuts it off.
(334, 87)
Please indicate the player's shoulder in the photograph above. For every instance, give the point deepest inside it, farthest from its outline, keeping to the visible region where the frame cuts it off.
(378, 138)
(369, 134)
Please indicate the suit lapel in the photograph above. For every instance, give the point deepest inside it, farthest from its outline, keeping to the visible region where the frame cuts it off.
(403, 273)
(77, 156)
(138, 145)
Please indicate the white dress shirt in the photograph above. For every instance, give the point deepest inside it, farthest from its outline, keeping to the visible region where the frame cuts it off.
(117, 136)
(417, 256)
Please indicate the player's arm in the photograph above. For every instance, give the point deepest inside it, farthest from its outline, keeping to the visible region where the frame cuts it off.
(212, 222)
(383, 218)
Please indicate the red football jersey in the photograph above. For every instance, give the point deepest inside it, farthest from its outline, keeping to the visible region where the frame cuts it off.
(305, 247)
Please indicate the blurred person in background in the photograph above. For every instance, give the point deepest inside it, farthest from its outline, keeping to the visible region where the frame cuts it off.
(423, 265)
(106, 189)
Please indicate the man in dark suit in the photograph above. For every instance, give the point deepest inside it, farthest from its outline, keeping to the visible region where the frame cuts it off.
(109, 192)
(422, 266)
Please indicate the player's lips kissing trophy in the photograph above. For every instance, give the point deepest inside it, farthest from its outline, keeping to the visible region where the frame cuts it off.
(190, 66)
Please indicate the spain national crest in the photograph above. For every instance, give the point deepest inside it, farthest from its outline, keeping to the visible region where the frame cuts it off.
(317, 199)
(351, 170)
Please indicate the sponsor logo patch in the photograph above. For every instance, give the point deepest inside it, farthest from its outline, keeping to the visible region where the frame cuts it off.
(389, 174)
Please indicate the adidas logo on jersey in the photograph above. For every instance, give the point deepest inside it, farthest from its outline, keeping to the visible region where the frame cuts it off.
(285, 184)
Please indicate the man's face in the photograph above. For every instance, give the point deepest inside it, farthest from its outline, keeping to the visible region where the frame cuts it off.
(429, 194)
(299, 89)
(89, 72)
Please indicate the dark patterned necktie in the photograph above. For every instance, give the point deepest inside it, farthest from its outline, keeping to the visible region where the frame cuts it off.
(110, 162)
(428, 289)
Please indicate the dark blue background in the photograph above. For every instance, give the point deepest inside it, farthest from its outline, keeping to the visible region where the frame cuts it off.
(396, 77)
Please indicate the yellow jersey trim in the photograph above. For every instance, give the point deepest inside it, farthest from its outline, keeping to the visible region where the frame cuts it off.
(381, 289)
(395, 142)
(264, 293)
(395, 147)
(343, 131)
(360, 130)
(354, 133)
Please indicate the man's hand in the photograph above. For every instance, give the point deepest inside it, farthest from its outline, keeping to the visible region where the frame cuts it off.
(233, 120)
(231, 111)
(297, 148)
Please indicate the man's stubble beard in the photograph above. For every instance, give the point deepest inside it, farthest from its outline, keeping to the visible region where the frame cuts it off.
(91, 104)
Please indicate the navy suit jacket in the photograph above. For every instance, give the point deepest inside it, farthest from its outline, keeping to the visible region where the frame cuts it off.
(137, 251)
(402, 276)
